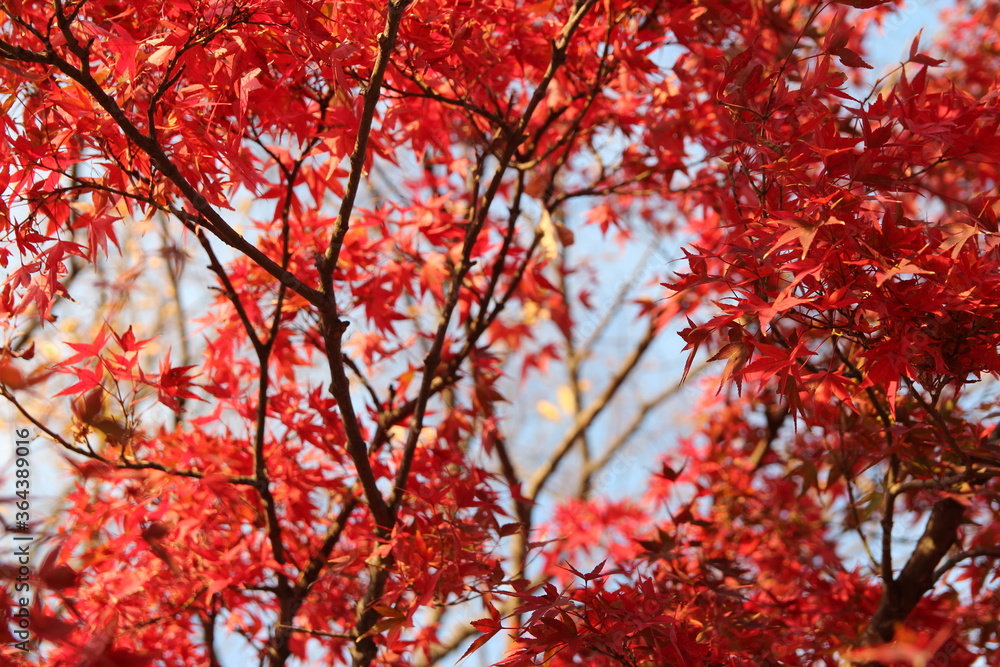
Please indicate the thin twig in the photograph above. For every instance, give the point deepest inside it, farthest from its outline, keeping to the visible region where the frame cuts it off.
(122, 464)
(983, 552)
(644, 410)
(586, 417)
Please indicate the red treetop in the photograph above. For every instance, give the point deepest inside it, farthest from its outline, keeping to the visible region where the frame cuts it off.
(292, 271)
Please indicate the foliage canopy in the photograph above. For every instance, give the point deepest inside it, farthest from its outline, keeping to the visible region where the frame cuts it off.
(315, 444)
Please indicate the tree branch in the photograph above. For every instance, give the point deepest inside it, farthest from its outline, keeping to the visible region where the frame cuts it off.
(963, 556)
(387, 42)
(599, 463)
(121, 464)
(585, 418)
(208, 215)
(917, 577)
(331, 326)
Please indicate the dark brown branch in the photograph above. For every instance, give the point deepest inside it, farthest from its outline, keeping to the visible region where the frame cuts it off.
(480, 214)
(572, 133)
(498, 265)
(386, 43)
(310, 573)
(121, 464)
(448, 375)
(315, 633)
(522, 506)
(917, 577)
(206, 213)
(260, 472)
(430, 93)
(340, 387)
(263, 351)
(856, 515)
(364, 650)
(971, 475)
(174, 269)
(964, 556)
(888, 511)
(230, 291)
(892, 472)
(278, 647)
(350, 363)
(208, 637)
(331, 326)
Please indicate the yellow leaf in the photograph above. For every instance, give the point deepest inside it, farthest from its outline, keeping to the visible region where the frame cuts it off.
(530, 312)
(122, 208)
(548, 410)
(566, 399)
(550, 244)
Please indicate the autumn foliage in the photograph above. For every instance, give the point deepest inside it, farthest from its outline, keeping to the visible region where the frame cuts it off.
(313, 300)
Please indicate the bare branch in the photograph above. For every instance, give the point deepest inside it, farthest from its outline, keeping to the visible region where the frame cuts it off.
(585, 418)
(317, 633)
(648, 406)
(917, 577)
(888, 507)
(964, 556)
(121, 464)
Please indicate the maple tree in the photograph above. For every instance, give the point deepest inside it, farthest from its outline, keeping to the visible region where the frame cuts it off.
(314, 446)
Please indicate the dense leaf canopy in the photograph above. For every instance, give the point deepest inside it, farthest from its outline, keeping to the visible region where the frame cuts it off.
(315, 450)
